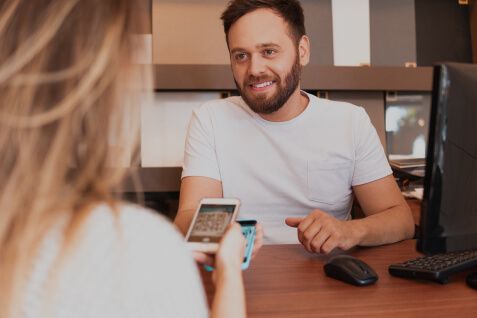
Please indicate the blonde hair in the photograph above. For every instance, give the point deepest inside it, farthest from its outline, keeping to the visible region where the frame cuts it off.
(65, 83)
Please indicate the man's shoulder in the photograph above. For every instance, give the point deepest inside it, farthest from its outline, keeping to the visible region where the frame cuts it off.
(335, 105)
(335, 111)
(223, 103)
(226, 107)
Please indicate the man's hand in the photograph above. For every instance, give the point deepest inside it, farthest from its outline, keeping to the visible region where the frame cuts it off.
(321, 233)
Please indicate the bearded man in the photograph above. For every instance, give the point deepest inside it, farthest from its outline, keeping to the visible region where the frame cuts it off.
(294, 160)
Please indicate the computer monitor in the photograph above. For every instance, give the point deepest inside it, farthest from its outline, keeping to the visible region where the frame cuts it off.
(449, 207)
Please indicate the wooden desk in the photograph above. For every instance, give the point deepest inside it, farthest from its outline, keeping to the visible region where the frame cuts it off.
(287, 281)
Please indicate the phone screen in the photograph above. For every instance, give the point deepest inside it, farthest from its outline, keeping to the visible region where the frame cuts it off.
(211, 222)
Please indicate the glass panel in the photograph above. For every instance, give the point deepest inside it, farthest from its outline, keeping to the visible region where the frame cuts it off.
(407, 120)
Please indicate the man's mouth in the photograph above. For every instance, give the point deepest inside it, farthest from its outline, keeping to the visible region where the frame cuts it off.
(261, 86)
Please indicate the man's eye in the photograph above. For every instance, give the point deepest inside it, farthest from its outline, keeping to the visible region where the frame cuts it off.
(269, 52)
(240, 56)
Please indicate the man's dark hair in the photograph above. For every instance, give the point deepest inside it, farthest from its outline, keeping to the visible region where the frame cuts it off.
(290, 10)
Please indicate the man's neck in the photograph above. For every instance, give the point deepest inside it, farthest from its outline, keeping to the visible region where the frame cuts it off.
(293, 107)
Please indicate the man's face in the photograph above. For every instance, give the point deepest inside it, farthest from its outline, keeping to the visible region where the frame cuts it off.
(265, 60)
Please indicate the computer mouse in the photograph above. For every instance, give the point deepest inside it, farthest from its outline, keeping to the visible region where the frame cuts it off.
(471, 280)
(350, 270)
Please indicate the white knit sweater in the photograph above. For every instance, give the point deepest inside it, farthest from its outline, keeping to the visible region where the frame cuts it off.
(133, 266)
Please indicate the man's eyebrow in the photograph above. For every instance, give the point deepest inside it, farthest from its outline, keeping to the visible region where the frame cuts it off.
(267, 45)
(237, 49)
(258, 46)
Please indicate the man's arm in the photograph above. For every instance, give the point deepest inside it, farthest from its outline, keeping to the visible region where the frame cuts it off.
(388, 220)
(193, 189)
(388, 216)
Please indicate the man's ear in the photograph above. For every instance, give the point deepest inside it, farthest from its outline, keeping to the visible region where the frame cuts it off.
(304, 50)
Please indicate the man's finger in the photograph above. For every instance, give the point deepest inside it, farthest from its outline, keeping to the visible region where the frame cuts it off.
(320, 238)
(310, 234)
(293, 221)
(329, 245)
(303, 226)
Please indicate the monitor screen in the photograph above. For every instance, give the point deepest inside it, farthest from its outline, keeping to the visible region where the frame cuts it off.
(449, 206)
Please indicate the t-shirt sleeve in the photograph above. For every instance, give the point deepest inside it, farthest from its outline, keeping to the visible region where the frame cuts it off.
(200, 157)
(161, 277)
(370, 159)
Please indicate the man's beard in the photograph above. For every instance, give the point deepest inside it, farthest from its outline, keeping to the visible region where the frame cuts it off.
(263, 105)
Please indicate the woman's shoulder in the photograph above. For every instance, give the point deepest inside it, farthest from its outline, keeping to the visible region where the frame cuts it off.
(127, 216)
(128, 221)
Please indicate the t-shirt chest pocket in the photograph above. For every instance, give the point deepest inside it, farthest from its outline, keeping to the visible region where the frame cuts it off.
(329, 181)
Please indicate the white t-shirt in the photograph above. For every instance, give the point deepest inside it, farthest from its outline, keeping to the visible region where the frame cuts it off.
(281, 169)
(135, 265)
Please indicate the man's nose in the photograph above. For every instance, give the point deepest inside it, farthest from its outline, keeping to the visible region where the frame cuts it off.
(257, 66)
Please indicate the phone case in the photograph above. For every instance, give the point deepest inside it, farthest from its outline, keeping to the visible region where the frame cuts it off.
(248, 230)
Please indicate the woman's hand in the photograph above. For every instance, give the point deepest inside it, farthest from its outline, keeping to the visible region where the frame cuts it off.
(231, 249)
(258, 242)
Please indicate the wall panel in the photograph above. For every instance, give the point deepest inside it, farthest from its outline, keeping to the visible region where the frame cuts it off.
(188, 32)
(442, 32)
(393, 32)
(319, 28)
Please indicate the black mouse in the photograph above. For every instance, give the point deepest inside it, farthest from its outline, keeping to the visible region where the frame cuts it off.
(471, 280)
(350, 270)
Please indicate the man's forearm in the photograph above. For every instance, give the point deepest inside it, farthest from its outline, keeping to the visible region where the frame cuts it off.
(389, 226)
(183, 219)
(193, 189)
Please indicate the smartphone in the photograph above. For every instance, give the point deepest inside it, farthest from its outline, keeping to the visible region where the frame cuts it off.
(209, 223)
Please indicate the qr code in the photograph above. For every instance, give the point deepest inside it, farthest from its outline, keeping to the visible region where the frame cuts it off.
(211, 223)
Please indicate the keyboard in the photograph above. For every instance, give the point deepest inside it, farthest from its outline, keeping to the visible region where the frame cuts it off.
(436, 267)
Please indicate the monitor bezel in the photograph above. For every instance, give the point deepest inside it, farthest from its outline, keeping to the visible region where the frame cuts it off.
(427, 241)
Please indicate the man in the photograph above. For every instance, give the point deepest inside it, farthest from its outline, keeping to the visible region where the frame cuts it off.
(289, 156)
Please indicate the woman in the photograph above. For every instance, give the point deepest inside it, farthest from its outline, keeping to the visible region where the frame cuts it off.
(68, 248)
